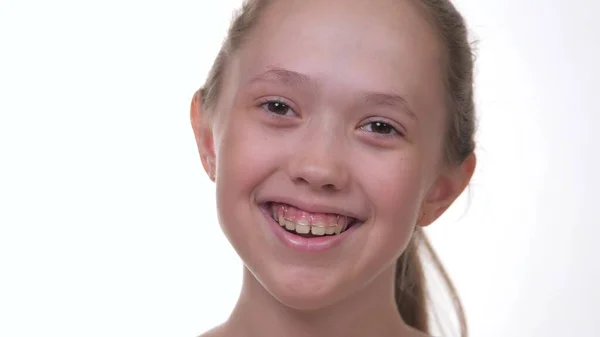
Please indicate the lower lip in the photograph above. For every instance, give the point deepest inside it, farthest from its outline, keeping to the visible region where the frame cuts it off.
(302, 244)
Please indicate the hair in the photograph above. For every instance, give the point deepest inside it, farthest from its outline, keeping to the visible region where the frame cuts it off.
(410, 285)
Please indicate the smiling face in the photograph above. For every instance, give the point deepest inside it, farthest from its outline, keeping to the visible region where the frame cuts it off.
(329, 108)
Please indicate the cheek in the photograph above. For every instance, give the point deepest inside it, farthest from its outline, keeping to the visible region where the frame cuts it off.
(246, 156)
(243, 153)
(242, 163)
(395, 189)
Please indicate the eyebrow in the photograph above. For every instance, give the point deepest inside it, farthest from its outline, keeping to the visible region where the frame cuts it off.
(280, 75)
(291, 78)
(388, 100)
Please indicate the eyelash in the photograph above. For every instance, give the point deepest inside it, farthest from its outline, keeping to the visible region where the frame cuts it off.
(264, 105)
(394, 131)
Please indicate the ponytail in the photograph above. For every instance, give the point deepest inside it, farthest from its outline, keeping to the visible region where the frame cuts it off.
(410, 288)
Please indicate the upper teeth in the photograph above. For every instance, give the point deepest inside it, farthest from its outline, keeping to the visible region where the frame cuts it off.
(303, 227)
(302, 222)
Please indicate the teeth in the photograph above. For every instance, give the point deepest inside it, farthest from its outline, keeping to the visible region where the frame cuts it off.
(304, 224)
(290, 226)
(314, 230)
(342, 223)
(302, 227)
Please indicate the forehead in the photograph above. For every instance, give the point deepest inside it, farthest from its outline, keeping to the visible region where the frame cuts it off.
(367, 45)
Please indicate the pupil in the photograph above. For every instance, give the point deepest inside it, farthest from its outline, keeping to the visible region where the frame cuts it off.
(380, 127)
(277, 107)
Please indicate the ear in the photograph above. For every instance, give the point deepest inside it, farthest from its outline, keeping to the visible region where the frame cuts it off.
(448, 186)
(203, 134)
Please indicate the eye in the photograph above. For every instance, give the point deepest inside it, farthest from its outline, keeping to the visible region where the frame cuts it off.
(381, 128)
(277, 107)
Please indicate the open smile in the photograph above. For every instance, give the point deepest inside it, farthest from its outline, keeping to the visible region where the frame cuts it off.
(308, 224)
(306, 231)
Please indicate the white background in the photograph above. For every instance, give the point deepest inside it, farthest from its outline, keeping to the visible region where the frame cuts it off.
(107, 220)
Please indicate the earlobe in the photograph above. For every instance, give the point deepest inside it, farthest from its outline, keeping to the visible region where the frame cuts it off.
(203, 135)
(447, 188)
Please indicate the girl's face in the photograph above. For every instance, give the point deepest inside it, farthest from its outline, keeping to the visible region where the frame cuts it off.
(332, 110)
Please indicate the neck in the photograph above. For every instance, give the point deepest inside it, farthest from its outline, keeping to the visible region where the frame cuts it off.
(370, 312)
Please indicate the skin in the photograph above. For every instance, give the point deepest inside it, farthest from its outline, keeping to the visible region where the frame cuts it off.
(335, 64)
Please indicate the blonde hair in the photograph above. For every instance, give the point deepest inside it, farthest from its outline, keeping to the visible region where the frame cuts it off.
(410, 291)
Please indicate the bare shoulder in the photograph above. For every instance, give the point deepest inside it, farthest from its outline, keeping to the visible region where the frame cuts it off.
(215, 332)
(417, 333)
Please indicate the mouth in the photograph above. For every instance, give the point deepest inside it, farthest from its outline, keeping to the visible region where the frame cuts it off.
(307, 224)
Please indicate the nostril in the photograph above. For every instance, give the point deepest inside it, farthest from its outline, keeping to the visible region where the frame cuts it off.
(326, 187)
(329, 187)
(302, 181)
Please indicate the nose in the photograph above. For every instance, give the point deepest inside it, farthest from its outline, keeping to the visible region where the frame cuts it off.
(320, 165)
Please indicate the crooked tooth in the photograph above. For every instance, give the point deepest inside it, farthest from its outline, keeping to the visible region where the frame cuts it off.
(317, 230)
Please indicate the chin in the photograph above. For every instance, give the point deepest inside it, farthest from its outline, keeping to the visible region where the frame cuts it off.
(304, 301)
(306, 291)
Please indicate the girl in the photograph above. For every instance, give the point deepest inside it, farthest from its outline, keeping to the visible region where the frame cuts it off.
(334, 131)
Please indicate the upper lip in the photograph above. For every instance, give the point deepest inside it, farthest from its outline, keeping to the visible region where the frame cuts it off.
(317, 207)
